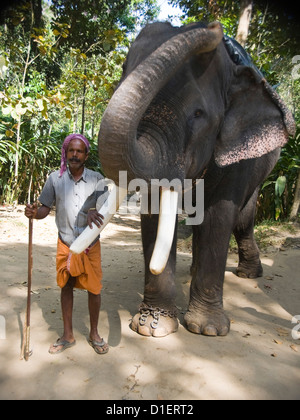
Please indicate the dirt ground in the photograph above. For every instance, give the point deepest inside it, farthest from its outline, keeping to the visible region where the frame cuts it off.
(259, 359)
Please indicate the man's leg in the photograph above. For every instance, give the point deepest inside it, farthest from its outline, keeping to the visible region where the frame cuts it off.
(94, 309)
(67, 313)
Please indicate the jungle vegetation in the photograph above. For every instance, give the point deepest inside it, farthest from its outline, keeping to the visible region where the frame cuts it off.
(60, 61)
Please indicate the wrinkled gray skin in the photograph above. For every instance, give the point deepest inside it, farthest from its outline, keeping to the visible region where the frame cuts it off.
(183, 106)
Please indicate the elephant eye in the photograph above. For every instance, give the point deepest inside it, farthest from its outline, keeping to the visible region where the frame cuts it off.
(198, 113)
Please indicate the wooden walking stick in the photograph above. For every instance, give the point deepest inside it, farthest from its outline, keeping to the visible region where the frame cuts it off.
(26, 352)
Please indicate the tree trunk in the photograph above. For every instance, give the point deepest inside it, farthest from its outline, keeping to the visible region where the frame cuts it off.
(83, 101)
(296, 204)
(27, 63)
(83, 110)
(244, 22)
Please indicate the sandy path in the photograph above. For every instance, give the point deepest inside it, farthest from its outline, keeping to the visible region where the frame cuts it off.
(259, 359)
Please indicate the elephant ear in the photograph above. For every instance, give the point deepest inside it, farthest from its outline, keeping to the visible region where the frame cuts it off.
(256, 121)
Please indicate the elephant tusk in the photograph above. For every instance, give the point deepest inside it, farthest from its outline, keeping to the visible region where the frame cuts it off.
(165, 231)
(108, 210)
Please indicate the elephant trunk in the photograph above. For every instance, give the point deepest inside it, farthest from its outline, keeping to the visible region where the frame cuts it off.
(119, 146)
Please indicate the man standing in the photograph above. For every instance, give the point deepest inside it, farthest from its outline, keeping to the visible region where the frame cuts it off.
(74, 190)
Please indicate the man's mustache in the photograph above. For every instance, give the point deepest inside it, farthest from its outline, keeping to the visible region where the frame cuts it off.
(75, 160)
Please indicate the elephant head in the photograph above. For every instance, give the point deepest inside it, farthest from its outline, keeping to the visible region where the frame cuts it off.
(183, 102)
(143, 129)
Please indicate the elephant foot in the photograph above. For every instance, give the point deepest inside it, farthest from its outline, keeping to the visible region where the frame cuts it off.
(248, 271)
(207, 322)
(155, 322)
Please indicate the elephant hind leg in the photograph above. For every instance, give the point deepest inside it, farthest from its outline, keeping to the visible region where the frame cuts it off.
(249, 260)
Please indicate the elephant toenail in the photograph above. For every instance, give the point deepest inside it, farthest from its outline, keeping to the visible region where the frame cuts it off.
(144, 330)
(223, 331)
(194, 328)
(210, 331)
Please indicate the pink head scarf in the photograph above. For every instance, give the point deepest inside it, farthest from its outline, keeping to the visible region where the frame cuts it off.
(68, 139)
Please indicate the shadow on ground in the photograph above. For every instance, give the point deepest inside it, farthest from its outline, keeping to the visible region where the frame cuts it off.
(259, 359)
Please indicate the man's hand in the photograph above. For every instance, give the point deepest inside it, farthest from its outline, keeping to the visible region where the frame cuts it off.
(31, 210)
(95, 217)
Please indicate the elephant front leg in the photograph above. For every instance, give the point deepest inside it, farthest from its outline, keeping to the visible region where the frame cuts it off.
(205, 313)
(157, 313)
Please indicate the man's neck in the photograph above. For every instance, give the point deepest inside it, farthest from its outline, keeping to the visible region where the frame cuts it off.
(77, 174)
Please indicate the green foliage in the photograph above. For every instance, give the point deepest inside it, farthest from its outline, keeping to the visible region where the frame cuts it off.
(60, 62)
(278, 191)
(59, 65)
(226, 12)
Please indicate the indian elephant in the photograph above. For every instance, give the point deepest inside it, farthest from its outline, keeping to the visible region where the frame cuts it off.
(185, 110)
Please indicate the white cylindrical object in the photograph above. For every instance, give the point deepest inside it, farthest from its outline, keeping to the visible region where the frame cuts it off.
(108, 210)
(165, 231)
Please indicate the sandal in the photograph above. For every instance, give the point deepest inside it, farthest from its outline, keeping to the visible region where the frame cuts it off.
(96, 344)
(64, 344)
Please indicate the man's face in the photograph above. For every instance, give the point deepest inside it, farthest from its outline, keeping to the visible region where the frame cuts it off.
(76, 154)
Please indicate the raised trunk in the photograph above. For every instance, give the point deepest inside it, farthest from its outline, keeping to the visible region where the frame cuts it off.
(119, 147)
